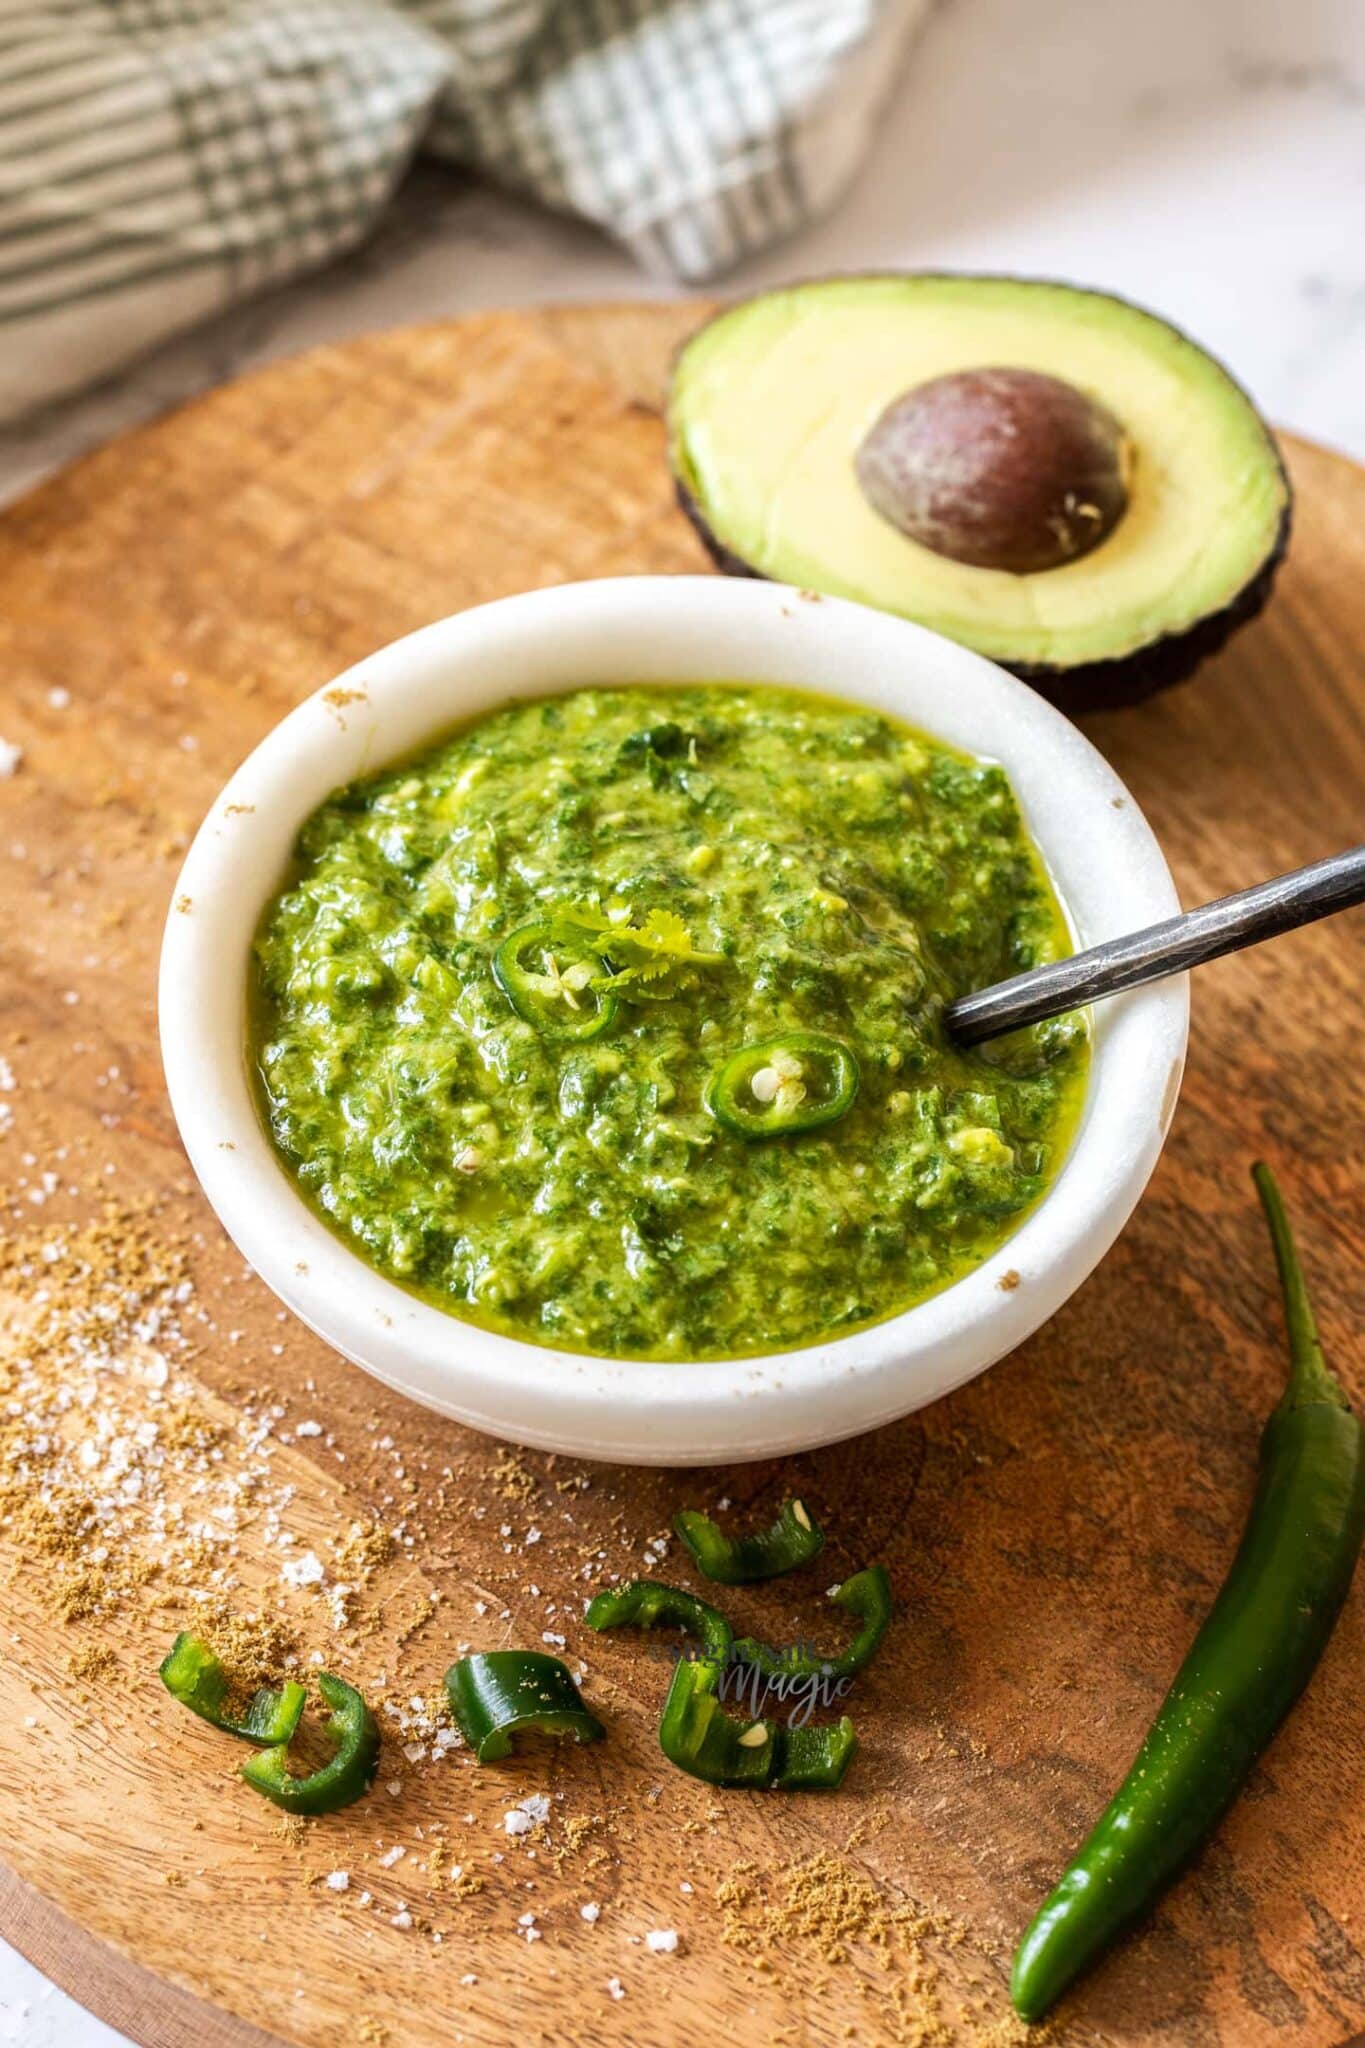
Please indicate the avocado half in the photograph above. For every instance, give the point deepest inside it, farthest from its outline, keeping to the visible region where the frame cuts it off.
(1049, 475)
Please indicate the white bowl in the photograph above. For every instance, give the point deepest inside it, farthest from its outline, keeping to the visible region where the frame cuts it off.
(1107, 866)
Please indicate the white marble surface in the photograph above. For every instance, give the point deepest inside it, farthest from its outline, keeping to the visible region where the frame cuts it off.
(1204, 156)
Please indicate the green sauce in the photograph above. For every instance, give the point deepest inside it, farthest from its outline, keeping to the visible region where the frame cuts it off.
(737, 864)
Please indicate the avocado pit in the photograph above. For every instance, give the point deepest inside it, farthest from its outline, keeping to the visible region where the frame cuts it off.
(1005, 469)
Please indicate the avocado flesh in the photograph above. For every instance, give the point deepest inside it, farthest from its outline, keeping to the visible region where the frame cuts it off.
(771, 401)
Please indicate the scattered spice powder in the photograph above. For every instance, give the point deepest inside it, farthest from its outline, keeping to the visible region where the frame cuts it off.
(365, 1547)
(575, 1839)
(511, 1478)
(825, 1906)
(96, 1661)
(451, 1877)
(92, 1315)
(254, 1649)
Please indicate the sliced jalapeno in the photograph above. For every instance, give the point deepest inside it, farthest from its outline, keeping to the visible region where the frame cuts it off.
(697, 1735)
(192, 1674)
(792, 1540)
(866, 1596)
(496, 1694)
(548, 975)
(349, 1774)
(796, 1082)
(644, 1603)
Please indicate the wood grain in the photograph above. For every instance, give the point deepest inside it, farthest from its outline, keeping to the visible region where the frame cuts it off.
(1054, 1530)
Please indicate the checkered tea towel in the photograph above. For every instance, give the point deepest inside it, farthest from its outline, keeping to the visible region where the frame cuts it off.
(160, 159)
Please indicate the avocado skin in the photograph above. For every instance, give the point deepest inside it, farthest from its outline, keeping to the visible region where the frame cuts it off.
(1105, 685)
(1089, 686)
(1095, 685)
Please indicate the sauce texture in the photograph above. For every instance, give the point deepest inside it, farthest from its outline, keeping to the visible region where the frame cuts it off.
(494, 996)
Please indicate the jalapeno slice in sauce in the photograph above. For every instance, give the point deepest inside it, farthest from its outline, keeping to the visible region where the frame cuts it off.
(548, 976)
(778, 1086)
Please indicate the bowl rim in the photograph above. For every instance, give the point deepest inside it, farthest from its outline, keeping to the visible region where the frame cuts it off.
(1105, 860)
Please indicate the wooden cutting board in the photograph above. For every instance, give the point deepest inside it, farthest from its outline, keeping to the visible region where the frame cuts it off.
(1054, 1531)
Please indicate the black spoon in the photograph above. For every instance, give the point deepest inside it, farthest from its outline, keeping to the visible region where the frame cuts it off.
(1280, 905)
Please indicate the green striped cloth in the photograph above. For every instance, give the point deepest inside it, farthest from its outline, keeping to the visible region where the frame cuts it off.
(160, 159)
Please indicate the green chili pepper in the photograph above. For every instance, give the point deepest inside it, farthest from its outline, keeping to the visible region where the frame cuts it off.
(792, 1540)
(868, 1596)
(350, 1772)
(697, 1735)
(552, 978)
(495, 1694)
(1248, 1664)
(644, 1603)
(814, 1759)
(192, 1673)
(779, 1086)
(695, 1732)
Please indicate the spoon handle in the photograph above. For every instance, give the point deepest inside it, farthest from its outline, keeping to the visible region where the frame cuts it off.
(1167, 948)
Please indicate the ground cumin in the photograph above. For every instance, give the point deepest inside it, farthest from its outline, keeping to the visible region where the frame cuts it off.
(450, 1877)
(882, 1951)
(362, 1550)
(576, 1836)
(822, 1902)
(511, 1478)
(93, 1663)
(254, 1649)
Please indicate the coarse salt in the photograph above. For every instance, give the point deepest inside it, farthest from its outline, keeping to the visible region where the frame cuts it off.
(303, 1571)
